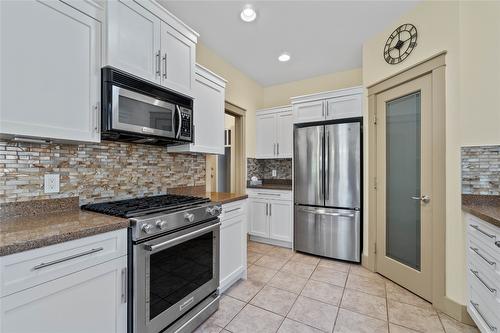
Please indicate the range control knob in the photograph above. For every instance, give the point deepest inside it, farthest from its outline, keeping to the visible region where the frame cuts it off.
(161, 224)
(189, 217)
(147, 228)
(214, 210)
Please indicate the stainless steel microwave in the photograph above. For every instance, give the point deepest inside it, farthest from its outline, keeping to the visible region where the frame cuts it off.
(135, 110)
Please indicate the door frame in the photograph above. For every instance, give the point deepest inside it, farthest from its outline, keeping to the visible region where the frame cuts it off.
(240, 167)
(435, 67)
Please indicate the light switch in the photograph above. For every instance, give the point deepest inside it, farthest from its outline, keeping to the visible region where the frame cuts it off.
(51, 183)
(274, 173)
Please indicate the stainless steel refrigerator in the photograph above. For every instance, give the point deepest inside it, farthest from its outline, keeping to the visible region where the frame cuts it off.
(327, 190)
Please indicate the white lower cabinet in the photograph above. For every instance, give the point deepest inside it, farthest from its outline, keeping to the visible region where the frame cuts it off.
(483, 274)
(233, 243)
(270, 216)
(92, 299)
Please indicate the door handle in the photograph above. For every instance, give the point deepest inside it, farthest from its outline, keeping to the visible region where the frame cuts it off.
(476, 307)
(124, 285)
(180, 122)
(266, 210)
(158, 65)
(270, 209)
(165, 64)
(483, 232)
(58, 261)
(278, 149)
(166, 244)
(327, 166)
(493, 291)
(476, 250)
(423, 198)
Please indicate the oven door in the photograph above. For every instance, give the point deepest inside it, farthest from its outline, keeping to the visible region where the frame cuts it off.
(140, 113)
(173, 273)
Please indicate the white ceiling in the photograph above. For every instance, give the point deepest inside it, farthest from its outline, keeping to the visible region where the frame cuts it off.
(321, 36)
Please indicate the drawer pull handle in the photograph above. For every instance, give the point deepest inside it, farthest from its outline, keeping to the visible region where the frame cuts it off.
(274, 194)
(58, 261)
(476, 307)
(233, 210)
(482, 231)
(475, 249)
(476, 274)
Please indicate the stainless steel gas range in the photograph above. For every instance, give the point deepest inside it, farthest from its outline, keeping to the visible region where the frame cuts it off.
(173, 260)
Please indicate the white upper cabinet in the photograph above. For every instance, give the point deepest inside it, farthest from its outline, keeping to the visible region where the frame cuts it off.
(284, 134)
(309, 111)
(338, 104)
(178, 60)
(146, 40)
(208, 116)
(266, 135)
(274, 133)
(133, 40)
(49, 71)
(344, 107)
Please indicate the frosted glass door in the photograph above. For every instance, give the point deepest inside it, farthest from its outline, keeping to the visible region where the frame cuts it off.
(403, 180)
(404, 185)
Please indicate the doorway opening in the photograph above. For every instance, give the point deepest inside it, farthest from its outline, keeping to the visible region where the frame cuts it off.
(226, 172)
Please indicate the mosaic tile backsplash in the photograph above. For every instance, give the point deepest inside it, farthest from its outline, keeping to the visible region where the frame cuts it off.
(481, 170)
(95, 172)
(263, 168)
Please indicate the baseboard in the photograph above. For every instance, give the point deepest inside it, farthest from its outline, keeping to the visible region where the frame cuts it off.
(368, 262)
(232, 279)
(456, 310)
(271, 241)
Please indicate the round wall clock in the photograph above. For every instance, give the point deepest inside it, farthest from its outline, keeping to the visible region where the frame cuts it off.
(400, 44)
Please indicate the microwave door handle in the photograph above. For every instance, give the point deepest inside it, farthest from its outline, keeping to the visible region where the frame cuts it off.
(178, 134)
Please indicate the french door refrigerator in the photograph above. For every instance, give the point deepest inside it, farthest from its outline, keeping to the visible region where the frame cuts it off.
(327, 191)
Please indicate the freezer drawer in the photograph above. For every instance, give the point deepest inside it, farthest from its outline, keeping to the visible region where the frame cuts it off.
(333, 233)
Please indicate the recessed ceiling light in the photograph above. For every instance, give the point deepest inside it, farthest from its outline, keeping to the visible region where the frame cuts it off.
(284, 57)
(248, 14)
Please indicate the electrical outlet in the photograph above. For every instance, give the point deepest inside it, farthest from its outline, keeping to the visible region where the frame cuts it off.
(51, 183)
(274, 173)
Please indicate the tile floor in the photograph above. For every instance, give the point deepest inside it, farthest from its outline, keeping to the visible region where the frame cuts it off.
(289, 292)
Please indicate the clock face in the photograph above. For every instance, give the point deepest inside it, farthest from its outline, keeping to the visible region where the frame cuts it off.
(400, 44)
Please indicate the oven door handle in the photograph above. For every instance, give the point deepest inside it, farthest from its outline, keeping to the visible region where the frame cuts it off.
(178, 134)
(166, 244)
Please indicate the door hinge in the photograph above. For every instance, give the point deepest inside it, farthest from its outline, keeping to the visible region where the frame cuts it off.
(374, 119)
(375, 248)
(375, 183)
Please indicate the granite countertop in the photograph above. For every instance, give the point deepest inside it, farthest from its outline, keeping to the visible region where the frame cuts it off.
(199, 191)
(56, 221)
(273, 184)
(485, 207)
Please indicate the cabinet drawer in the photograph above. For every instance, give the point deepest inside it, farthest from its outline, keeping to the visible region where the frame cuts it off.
(233, 209)
(482, 313)
(27, 269)
(481, 256)
(486, 284)
(269, 194)
(485, 234)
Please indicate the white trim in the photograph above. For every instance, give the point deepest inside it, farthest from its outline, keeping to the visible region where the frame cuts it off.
(327, 95)
(209, 75)
(276, 109)
(270, 241)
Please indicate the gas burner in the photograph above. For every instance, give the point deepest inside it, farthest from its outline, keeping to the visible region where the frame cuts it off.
(147, 205)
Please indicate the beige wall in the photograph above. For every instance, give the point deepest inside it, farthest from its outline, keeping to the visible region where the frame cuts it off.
(280, 94)
(240, 89)
(480, 72)
(472, 90)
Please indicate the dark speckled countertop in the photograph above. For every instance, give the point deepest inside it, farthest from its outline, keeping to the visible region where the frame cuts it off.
(33, 224)
(273, 184)
(485, 207)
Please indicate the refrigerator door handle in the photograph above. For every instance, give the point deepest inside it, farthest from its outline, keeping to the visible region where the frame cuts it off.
(327, 167)
(319, 212)
(322, 172)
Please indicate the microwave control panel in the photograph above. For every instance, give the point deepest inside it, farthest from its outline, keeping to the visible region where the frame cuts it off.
(186, 122)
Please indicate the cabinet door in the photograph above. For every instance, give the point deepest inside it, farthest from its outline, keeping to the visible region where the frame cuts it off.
(284, 134)
(266, 136)
(258, 223)
(91, 300)
(344, 107)
(280, 220)
(133, 40)
(308, 111)
(232, 249)
(178, 60)
(50, 71)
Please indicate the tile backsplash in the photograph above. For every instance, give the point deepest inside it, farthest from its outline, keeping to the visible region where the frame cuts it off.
(262, 168)
(481, 170)
(95, 172)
